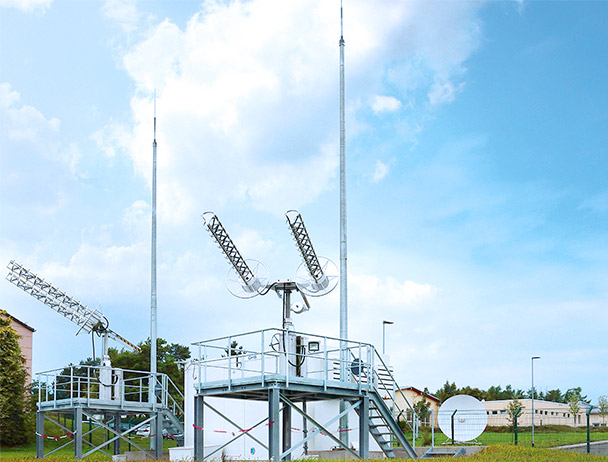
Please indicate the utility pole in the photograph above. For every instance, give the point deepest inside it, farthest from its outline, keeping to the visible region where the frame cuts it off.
(533, 393)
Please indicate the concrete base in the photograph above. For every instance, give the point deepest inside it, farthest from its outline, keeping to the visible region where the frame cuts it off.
(596, 447)
(340, 454)
(186, 453)
(138, 455)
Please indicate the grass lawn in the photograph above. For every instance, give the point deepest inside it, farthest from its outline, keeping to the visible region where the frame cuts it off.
(503, 453)
(90, 440)
(544, 437)
(67, 453)
(500, 453)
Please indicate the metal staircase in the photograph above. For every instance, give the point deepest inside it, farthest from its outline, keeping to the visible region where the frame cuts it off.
(385, 429)
(173, 426)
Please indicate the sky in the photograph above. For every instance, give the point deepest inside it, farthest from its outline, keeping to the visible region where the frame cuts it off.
(476, 145)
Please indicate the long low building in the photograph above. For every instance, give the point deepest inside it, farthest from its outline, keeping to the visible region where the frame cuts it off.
(545, 413)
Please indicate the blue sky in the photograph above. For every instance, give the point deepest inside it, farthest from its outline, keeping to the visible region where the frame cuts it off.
(477, 193)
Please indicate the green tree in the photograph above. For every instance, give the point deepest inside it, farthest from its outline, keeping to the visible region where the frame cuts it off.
(537, 394)
(421, 408)
(574, 403)
(474, 392)
(447, 391)
(495, 393)
(169, 356)
(555, 396)
(513, 409)
(68, 383)
(519, 394)
(16, 420)
(578, 391)
(602, 405)
(235, 349)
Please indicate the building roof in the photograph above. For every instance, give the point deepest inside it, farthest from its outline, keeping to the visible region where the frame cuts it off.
(20, 322)
(420, 392)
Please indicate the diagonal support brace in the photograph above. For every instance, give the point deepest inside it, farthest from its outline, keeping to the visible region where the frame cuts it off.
(320, 427)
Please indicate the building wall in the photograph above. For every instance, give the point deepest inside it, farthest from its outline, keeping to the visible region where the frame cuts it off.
(413, 397)
(545, 413)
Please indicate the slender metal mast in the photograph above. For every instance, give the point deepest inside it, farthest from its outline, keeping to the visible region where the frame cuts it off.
(343, 266)
(153, 322)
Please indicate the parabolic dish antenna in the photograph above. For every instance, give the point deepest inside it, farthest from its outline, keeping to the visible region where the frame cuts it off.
(470, 418)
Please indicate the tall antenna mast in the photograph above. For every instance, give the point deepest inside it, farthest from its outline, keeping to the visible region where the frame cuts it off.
(343, 267)
(153, 322)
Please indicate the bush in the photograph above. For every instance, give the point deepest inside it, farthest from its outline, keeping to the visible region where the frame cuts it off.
(16, 416)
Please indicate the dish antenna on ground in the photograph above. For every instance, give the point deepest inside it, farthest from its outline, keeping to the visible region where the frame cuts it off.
(462, 418)
(316, 276)
(87, 319)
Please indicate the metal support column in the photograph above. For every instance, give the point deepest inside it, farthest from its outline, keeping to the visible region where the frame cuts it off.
(118, 430)
(39, 433)
(274, 429)
(286, 424)
(199, 434)
(158, 435)
(78, 433)
(364, 428)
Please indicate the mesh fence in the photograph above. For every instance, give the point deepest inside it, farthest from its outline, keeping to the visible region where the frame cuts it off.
(553, 426)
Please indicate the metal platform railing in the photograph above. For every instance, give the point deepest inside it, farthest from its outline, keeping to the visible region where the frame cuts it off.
(95, 385)
(270, 353)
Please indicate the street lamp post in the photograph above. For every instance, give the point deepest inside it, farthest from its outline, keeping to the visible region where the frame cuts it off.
(384, 323)
(533, 393)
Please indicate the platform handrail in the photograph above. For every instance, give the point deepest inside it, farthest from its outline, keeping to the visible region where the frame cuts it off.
(83, 382)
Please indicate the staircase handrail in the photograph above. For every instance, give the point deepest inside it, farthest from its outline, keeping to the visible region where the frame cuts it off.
(173, 404)
(377, 380)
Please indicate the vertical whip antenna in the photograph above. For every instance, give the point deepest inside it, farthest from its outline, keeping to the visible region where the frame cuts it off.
(343, 267)
(343, 247)
(153, 297)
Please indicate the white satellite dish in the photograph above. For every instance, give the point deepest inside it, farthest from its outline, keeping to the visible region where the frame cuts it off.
(470, 418)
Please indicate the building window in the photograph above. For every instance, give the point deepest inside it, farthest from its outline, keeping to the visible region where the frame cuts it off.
(494, 412)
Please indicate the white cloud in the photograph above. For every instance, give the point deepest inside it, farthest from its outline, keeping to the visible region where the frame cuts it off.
(380, 172)
(27, 6)
(444, 92)
(124, 12)
(34, 135)
(23, 122)
(368, 288)
(382, 104)
(111, 137)
(246, 106)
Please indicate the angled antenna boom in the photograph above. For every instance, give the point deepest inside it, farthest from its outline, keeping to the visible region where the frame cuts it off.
(300, 235)
(250, 282)
(87, 319)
